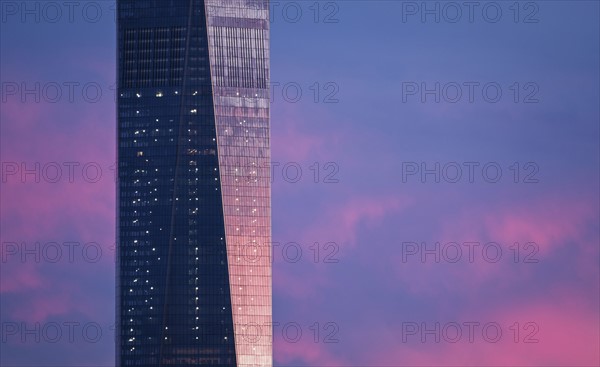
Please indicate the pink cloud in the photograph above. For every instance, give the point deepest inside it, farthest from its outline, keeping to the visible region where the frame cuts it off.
(299, 283)
(291, 145)
(560, 333)
(57, 211)
(48, 305)
(307, 280)
(305, 352)
(22, 276)
(42, 290)
(43, 212)
(342, 221)
(551, 222)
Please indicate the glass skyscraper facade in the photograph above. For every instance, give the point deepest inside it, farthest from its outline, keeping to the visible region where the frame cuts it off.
(194, 218)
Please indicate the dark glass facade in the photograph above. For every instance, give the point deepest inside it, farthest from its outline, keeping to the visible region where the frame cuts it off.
(194, 225)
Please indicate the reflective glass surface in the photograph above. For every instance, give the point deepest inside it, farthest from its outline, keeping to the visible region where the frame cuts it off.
(238, 34)
(194, 186)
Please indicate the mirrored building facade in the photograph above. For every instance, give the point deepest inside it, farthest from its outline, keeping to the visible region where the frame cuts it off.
(193, 221)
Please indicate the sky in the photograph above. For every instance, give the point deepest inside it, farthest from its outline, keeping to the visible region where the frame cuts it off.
(435, 195)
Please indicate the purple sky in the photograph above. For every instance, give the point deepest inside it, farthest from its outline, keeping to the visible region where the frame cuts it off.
(373, 294)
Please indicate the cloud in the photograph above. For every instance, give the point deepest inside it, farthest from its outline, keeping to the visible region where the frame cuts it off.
(533, 333)
(305, 352)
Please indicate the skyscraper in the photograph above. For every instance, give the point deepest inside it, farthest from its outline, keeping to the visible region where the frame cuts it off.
(194, 218)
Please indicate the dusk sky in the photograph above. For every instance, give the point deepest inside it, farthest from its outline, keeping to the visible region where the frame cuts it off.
(436, 187)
